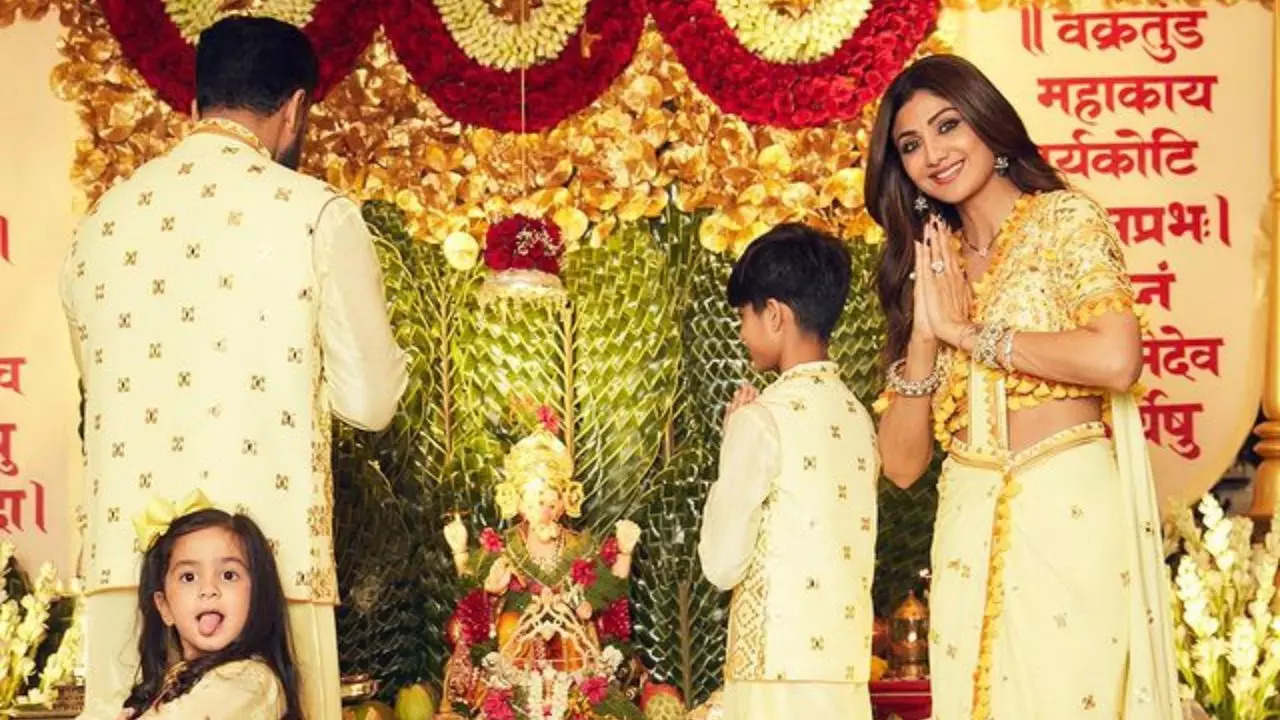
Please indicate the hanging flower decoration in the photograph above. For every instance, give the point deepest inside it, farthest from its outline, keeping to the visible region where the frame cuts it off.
(164, 53)
(471, 90)
(793, 31)
(511, 34)
(794, 95)
(523, 243)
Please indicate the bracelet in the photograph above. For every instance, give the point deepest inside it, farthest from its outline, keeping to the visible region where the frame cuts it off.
(1006, 357)
(986, 349)
(914, 388)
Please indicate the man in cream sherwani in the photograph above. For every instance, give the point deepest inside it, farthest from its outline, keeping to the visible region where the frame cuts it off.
(223, 307)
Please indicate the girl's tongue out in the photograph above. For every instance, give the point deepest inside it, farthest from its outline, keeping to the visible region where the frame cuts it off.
(209, 623)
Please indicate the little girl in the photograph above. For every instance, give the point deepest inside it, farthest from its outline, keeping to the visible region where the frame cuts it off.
(215, 637)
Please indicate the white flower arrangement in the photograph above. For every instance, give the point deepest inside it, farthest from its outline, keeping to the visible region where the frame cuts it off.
(1225, 627)
(23, 627)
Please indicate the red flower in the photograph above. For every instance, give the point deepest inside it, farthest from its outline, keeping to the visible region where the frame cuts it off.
(497, 705)
(609, 552)
(523, 243)
(472, 618)
(794, 94)
(339, 30)
(491, 541)
(595, 689)
(552, 90)
(583, 572)
(548, 419)
(615, 621)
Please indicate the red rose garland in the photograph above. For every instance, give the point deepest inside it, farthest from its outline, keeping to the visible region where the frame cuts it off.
(794, 95)
(339, 30)
(472, 93)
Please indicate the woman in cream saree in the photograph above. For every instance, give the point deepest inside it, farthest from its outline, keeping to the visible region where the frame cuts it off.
(1014, 344)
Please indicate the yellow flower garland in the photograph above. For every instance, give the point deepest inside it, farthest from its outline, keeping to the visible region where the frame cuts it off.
(494, 42)
(778, 36)
(193, 16)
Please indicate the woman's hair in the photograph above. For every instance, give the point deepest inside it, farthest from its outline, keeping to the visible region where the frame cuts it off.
(265, 635)
(891, 196)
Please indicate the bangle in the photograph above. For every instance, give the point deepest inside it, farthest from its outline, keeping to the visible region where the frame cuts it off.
(914, 388)
(1006, 356)
(986, 349)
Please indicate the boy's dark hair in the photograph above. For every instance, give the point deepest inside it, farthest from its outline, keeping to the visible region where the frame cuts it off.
(253, 63)
(265, 636)
(805, 269)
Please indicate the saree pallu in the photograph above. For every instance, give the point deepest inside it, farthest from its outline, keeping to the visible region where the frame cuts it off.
(1049, 598)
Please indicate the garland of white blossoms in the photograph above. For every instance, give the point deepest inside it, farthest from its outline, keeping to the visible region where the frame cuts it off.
(494, 42)
(193, 16)
(777, 36)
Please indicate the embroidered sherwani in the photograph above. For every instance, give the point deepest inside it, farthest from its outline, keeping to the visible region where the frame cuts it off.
(222, 306)
(790, 527)
(1049, 599)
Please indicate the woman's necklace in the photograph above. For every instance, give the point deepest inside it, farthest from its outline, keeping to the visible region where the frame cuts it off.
(984, 251)
(981, 251)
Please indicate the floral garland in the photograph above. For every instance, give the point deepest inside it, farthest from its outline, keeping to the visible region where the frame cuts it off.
(538, 97)
(193, 16)
(157, 48)
(796, 96)
(806, 34)
(516, 42)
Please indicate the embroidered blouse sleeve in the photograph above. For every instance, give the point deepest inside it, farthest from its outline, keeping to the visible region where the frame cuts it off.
(246, 690)
(1091, 274)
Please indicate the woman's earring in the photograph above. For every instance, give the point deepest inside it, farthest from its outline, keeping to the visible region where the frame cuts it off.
(1002, 164)
(922, 204)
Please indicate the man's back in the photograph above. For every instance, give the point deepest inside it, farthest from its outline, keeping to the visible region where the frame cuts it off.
(196, 301)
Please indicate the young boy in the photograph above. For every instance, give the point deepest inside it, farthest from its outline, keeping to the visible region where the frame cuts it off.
(790, 526)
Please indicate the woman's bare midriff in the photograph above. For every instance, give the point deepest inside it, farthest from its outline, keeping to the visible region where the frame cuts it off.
(1031, 425)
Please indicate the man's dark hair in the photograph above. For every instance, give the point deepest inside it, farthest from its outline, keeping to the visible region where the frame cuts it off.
(805, 269)
(253, 63)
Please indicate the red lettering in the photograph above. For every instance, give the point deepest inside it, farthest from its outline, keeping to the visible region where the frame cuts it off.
(1153, 287)
(1136, 225)
(1033, 30)
(1177, 420)
(10, 374)
(1166, 151)
(1178, 355)
(11, 502)
(7, 465)
(1161, 33)
(1087, 97)
(4, 238)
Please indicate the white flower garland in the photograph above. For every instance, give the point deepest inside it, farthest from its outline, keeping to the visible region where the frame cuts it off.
(494, 42)
(193, 16)
(778, 37)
